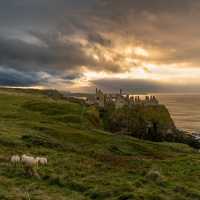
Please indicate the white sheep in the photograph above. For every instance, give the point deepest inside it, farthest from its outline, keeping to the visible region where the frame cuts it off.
(30, 163)
(42, 160)
(15, 159)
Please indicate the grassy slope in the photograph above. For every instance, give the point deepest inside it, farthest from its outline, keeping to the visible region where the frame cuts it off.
(86, 163)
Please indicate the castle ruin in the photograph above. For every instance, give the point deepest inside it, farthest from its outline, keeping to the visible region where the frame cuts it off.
(119, 100)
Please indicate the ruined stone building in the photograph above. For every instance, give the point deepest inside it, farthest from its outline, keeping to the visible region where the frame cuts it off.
(100, 98)
(119, 100)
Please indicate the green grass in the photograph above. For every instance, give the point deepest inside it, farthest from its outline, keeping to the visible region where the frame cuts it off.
(84, 161)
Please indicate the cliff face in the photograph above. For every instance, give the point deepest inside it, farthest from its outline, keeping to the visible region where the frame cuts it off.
(140, 121)
(145, 122)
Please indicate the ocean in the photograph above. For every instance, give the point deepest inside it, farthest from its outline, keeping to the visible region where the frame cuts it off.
(184, 109)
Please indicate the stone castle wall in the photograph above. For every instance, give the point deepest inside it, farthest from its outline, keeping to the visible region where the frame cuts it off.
(120, 100)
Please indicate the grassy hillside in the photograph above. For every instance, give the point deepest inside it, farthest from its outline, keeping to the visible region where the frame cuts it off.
(84, 161)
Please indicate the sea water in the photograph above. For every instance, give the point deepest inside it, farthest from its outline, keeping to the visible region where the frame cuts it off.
(184, 109)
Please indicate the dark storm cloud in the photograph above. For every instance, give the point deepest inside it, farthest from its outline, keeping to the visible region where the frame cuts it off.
(11, 77)
(29, 57)
(50, 55)
(32, 32)
(97, 38)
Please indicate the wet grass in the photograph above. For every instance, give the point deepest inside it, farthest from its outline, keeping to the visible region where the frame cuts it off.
(84, 161)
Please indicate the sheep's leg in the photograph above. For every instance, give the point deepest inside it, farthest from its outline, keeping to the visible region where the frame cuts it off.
(35, 173)
(28, 171)
(31, 171)
(37, 165)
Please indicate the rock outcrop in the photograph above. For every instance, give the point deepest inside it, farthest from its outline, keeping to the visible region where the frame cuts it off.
(152, 123)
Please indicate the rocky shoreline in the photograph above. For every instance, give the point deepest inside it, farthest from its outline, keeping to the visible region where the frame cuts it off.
(192, 139)
(196, 136)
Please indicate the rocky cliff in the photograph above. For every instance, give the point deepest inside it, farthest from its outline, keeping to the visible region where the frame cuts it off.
(145, 122)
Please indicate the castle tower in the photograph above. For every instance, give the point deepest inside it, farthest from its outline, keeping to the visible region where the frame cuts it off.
(121, 92)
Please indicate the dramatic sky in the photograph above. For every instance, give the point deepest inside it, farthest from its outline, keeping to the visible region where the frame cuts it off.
(77, 45)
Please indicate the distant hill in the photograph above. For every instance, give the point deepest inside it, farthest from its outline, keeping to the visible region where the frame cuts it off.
(85, 162)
